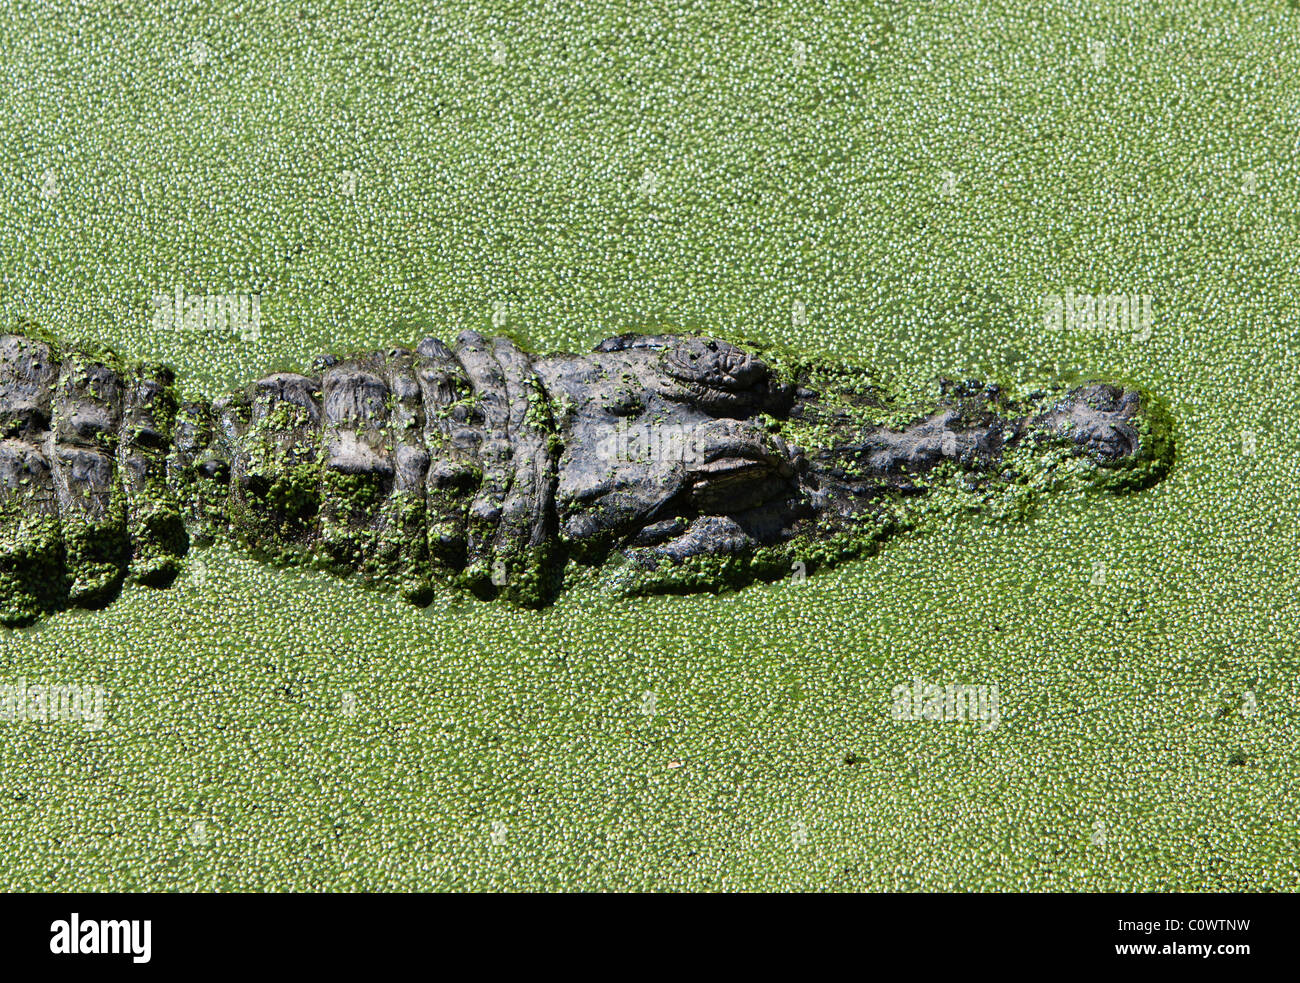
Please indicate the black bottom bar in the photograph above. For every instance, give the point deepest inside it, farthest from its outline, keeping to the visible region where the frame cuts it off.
(924, 934)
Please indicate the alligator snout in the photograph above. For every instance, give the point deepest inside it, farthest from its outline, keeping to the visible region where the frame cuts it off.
(1102, 420)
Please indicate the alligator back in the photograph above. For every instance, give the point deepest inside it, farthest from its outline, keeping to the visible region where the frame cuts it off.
(106, 475)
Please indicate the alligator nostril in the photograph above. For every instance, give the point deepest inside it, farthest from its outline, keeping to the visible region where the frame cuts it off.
(215, 470)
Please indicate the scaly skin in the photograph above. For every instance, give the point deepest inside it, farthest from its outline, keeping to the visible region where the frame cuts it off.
(685, 463)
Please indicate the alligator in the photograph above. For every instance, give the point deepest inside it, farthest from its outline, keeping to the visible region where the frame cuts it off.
(684, 463)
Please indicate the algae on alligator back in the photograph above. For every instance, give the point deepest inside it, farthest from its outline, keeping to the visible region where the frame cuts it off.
(686, 462)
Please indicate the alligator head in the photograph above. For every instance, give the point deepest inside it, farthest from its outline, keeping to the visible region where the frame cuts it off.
(696, 461)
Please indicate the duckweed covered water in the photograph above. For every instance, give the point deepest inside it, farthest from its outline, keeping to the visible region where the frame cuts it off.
(902, 183)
